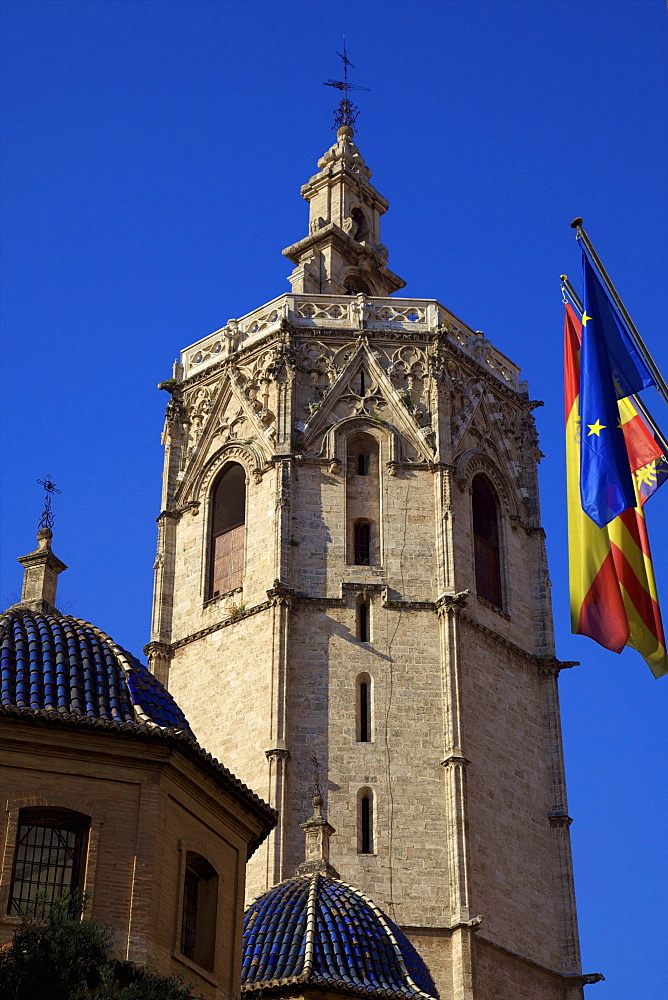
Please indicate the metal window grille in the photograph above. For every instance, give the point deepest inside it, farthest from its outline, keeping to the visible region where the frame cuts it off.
(362, 544)
(46, 864)
(189, 921)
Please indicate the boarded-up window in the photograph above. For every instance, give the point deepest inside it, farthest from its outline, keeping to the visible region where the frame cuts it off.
(228, 560)
(228, 530)
(486, 541)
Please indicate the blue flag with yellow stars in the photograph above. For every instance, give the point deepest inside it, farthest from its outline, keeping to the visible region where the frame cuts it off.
(610, 369)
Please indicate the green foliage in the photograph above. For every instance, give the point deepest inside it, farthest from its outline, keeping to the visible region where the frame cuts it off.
(58, 956)
(146, 985)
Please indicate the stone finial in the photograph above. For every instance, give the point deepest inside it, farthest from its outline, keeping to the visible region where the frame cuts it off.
(40, 574)
(318, 831)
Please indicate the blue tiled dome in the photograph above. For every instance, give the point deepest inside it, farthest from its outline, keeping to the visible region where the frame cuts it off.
(56, 663)
(318, 931)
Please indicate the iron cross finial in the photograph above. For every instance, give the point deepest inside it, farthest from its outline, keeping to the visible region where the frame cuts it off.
(46, 520)
(317, 792)
(346, 113)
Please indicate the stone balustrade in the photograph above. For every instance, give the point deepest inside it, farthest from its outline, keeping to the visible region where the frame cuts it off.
(347, 312)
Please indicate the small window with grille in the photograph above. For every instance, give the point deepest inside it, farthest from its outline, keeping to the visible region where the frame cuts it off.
(200, 904)
(362, 543)
(48, 860)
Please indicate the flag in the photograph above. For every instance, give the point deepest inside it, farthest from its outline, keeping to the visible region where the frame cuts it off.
(611, 369)
(647, 458)
(613, 593)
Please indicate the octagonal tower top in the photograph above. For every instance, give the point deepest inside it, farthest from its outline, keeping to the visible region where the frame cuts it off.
(342, 253)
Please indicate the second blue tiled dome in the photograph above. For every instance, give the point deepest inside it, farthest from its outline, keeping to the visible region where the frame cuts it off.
(317, 930)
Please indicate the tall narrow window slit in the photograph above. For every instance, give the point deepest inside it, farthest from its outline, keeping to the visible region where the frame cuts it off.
(366, 822)
(363, 631)
(364, 713)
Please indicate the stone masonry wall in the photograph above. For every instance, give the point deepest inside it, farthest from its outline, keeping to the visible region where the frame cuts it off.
(253, 676)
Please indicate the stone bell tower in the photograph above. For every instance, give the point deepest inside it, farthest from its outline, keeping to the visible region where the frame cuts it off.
(351, 563)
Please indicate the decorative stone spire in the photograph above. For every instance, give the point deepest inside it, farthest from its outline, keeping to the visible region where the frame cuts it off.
(342, 254)
(318, 831)
(40, 574)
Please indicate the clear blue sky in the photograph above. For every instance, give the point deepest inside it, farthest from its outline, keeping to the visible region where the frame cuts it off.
(153, 155)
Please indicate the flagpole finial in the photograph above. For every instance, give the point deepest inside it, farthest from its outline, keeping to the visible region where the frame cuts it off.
(576, 223)
(563, 277)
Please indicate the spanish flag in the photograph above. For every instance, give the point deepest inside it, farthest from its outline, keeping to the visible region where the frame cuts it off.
(613, 594)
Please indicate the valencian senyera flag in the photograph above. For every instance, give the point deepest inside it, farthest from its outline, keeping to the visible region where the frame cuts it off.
(647, 458)
(613, 593)
(611, 368)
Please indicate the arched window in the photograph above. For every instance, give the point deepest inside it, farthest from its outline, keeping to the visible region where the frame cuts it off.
(354, 284)
(486, 541)
(200, 905)
(361, 224)
(48, 859)
(363, 497)
(227, 528)
(364, 709)
(365, 836)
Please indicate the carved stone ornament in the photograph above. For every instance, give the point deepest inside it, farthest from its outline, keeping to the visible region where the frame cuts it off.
(452, 603)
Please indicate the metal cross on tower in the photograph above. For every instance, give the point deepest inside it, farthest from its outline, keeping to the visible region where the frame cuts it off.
(46, 520)
(346, 113)
(316, 776)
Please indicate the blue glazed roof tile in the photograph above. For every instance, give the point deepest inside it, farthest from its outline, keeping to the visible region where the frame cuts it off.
(317, 930)
(56, 662)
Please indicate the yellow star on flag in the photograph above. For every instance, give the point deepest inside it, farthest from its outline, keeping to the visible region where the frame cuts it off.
(596, 428)
(585, 318)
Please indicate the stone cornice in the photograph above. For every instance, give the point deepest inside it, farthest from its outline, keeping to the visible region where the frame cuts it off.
(560, 819)
(545, 664)
(215, 626)
(581, 978)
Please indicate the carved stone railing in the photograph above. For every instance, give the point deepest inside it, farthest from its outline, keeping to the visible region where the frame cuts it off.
(347, 312)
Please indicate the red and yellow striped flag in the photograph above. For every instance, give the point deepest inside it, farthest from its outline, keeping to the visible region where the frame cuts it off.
(613, 593)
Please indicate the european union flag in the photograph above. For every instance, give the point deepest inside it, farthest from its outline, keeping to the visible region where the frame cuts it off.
(610, 369)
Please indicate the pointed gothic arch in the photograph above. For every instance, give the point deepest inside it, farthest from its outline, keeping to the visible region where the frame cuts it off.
(486, 540)
(227, 530)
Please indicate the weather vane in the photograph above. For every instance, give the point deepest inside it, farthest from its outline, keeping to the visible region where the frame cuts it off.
(346, 113)
(317, 793)
(46, 520)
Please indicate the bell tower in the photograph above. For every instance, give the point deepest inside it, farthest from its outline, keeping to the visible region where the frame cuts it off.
(351, 563)
(342, 254)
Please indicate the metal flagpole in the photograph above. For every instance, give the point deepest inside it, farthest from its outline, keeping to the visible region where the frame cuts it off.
(637, 401)
(661, 386)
